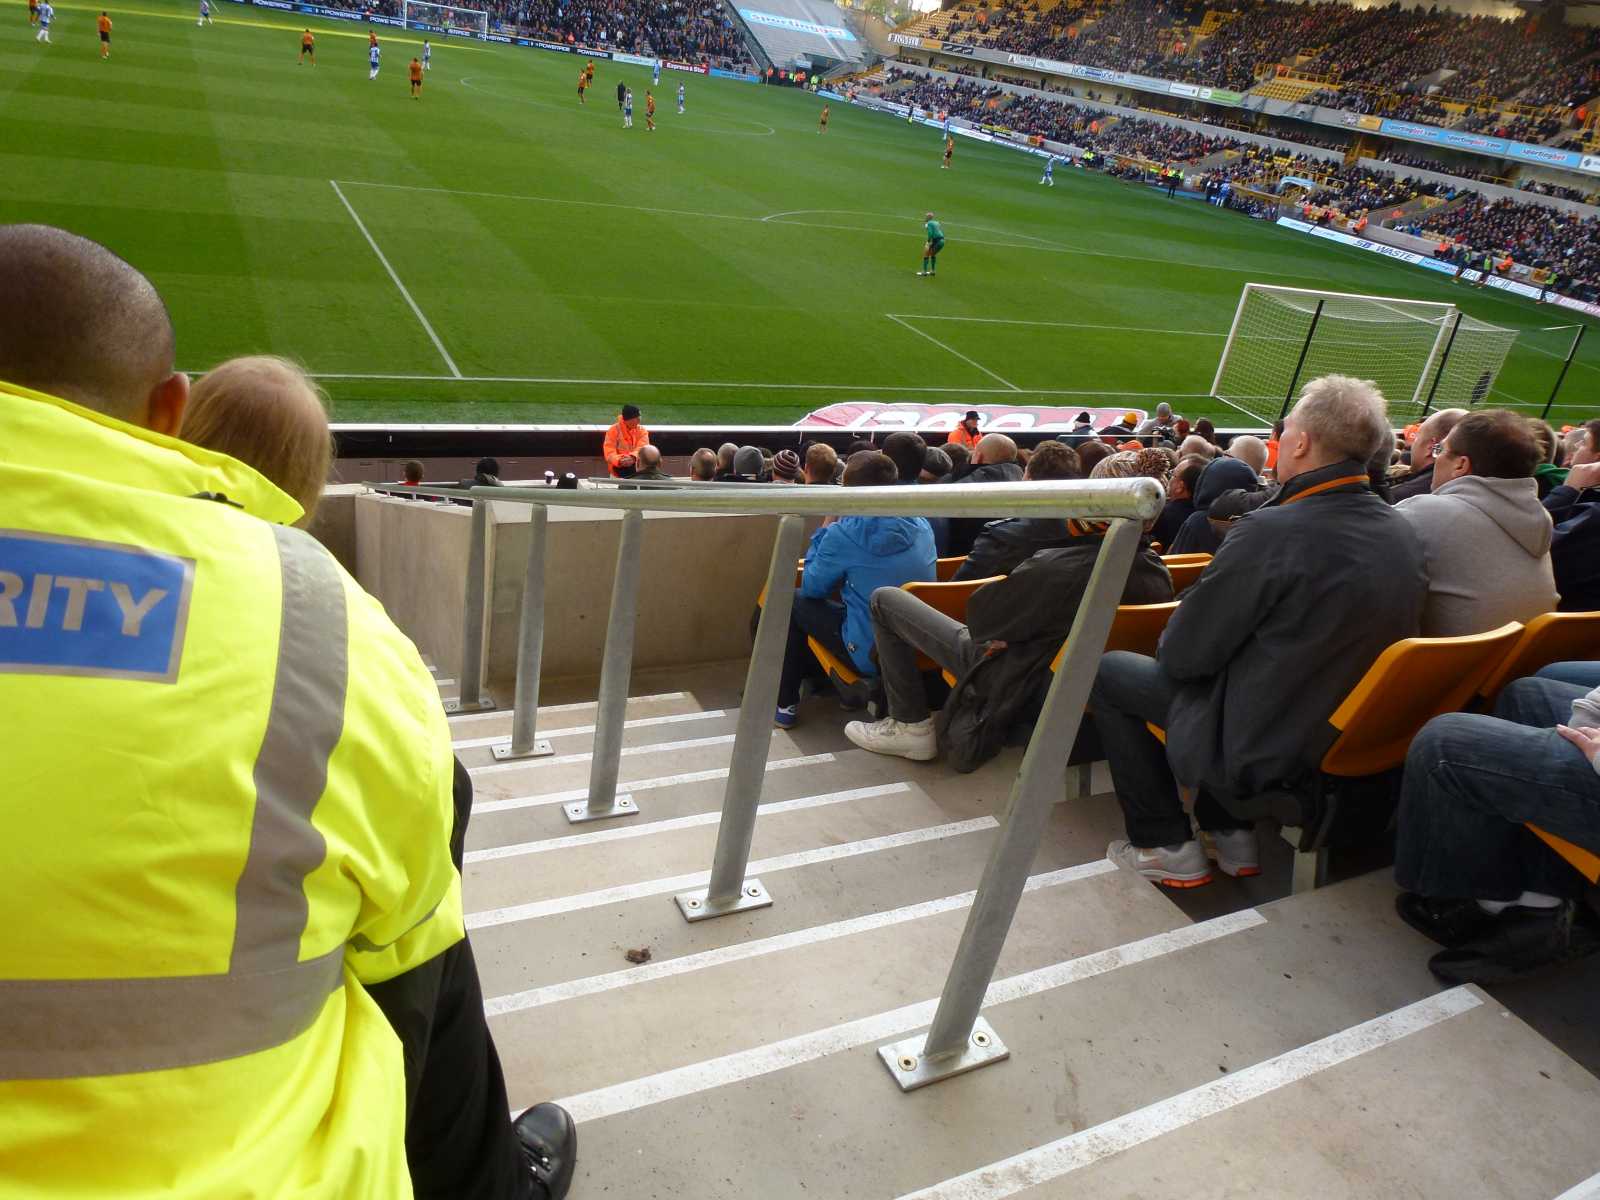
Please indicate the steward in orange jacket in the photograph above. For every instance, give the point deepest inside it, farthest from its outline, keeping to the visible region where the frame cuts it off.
(623, 441)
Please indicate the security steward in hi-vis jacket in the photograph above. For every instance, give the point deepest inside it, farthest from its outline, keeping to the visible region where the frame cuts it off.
(235, 962)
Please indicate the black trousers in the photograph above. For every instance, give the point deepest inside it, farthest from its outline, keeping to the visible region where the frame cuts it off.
(459, 1141)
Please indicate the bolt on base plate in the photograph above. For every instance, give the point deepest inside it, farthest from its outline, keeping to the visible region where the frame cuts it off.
(486, 704)
(502, 750)
(911, 1070)
(697, 905)
(622, 806)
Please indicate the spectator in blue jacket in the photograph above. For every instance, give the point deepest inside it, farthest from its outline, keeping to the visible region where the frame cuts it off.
(1574, 506)
(852, 556)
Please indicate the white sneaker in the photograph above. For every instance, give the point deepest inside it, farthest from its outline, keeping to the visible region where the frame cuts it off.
(1182, 866)
(1238, 853)
(888, 736)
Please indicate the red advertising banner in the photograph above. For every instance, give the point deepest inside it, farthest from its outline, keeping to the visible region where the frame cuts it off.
(869, 416)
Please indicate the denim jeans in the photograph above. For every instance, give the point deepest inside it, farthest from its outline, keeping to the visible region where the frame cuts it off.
(1129, 691)
(821, 619)
(1583, 674)
(1470, 783)
(903, 625)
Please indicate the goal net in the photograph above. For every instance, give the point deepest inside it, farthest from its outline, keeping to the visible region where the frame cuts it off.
(443, 18)
(1282, 338)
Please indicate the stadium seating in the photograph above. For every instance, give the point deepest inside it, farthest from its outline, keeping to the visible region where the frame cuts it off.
(1550, 638)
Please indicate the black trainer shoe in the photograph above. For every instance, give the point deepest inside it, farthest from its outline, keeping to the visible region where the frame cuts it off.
(1520, 942)
(550, 1147)
(1451, 923)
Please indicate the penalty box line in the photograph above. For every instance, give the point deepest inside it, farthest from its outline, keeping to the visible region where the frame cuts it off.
(393, 275)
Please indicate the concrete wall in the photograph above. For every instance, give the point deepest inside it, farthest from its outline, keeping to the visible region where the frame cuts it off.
(700, 579)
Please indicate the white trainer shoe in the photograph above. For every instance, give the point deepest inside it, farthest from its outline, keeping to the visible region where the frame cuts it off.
(1238, 852)
(916, 741)
(1182, 866)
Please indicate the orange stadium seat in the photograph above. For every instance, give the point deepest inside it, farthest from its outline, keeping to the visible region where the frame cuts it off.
(1548, 638)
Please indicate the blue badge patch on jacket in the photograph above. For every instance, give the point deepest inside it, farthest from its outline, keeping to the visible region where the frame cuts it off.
(69, 606)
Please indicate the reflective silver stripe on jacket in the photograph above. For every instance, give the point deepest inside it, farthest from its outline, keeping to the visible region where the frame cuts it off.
(66, 1028)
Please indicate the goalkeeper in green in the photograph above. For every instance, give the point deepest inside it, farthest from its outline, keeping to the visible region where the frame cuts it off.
(935, 243)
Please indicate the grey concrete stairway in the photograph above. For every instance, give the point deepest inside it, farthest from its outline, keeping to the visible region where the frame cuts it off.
(1292, 1048)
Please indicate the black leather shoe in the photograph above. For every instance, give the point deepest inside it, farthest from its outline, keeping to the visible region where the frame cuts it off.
(1451, 923)
(550, 1147)
(1520, 942)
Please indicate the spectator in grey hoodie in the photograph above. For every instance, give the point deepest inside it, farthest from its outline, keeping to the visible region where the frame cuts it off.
(1485, 536)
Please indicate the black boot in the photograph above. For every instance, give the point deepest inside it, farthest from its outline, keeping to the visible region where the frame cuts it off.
(1520, 942)
(1451, 923)
(550, 1147)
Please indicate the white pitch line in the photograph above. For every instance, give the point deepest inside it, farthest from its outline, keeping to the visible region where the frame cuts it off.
(640, 785)
(816, 934)
(1063, 325)
(1589, 1189)
(427, 328)
(1089, 1146)
(682, 883)
(808, 1047)
(463, 718)
(951, 350)
(565, 381)
(674, 824)
(575, 730)
(562, 760)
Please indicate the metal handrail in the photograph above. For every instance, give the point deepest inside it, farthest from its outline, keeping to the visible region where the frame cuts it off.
(958, 1039)
(1104, 499)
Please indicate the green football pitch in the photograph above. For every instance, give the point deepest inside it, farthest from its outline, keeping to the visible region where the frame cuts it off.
(496, 253)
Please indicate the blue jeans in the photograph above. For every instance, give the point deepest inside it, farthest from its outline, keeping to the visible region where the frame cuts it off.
(1471, 782)
(821, 619)
(1129, 691)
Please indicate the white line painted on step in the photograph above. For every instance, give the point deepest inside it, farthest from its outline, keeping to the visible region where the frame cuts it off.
(851, 1035)
(575, 730)
(562, 760)
(505, 713)
(674, 824)
(682, 883)
(1589, 1189)
(1088, 1146)
(667, 968)
(640, 785)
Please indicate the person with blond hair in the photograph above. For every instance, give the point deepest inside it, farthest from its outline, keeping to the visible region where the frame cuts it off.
(269, 414)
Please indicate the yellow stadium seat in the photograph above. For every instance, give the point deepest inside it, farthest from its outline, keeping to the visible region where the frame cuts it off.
(945, 568)
(1586, 862)
(1548, 638)
(1411, 682)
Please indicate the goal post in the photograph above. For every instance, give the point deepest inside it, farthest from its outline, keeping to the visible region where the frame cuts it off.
(443, 18)
(1416, 351)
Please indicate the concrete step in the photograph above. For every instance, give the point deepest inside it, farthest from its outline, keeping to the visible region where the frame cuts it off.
(1454, 1098)
(1295, 1048)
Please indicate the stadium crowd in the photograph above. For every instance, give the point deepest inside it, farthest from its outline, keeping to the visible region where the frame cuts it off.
(685, 30)
(1539, 237)
(1385, 60)
(1478, 518)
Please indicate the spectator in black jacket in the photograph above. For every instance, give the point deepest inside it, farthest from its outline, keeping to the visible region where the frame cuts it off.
(908, 452)
(1221, 475)
(1180, 500)
(1004, 544)
(993, 461)
(1574, 506)
(1263, 648)
(1418, 481)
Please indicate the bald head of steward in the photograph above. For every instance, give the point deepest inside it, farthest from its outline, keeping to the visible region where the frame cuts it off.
(78, 322)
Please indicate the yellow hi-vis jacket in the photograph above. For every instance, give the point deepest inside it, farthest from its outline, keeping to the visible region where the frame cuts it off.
(227, 804)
